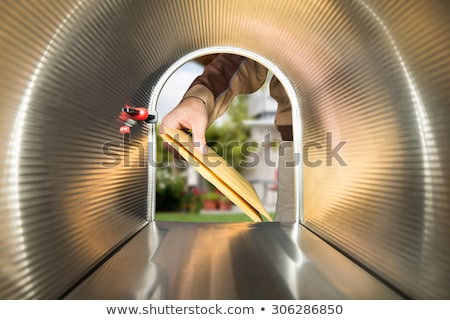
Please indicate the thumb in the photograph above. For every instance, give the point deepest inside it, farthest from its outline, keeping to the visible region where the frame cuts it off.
(198, 136)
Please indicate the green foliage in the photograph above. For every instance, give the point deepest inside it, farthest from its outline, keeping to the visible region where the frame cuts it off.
(228, 138)
(169, 189)
(170, 182)
(192, 201)
(214, 196)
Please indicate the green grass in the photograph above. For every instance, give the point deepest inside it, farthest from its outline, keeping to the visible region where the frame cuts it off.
(204, 217)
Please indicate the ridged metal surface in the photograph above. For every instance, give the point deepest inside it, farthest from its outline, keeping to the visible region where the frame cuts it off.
(174, 260)
(64, 203)
(373, 73)
(388, 98)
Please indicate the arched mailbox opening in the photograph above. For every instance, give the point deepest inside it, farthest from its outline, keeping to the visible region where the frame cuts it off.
(252, 149)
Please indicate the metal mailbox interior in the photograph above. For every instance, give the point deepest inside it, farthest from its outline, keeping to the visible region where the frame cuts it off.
(76, 222)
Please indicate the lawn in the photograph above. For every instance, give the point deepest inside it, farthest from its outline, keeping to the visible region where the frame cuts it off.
(202, 217)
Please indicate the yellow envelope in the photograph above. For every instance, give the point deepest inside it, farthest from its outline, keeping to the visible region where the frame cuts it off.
(220, 173)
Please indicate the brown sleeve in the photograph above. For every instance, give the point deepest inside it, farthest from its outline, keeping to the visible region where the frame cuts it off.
(225, 77)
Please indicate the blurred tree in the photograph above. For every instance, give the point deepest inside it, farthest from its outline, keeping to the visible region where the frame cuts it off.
(170, 178)
(228, 137)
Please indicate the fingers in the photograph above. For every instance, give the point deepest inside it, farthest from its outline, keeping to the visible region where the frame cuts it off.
(189, 114)
(199, 136)
(169, 121)
(199, 122)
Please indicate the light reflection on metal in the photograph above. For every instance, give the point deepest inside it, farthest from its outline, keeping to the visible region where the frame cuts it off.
(14, 155)
(176, 260)
(428, 143)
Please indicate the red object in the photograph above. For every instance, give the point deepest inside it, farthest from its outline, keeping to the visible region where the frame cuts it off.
(130, 115)
(124, 129)
(210, 205)
(135, 113)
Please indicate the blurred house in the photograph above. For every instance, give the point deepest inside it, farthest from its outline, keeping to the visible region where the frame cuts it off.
(263, 173)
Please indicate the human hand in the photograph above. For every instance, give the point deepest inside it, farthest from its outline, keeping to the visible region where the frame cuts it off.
(189, 114)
